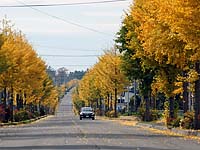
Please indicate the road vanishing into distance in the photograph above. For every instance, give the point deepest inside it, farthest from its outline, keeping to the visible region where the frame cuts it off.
(65, 131)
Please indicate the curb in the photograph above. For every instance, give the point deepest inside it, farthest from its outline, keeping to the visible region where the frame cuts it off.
(182, 132)
(186, 132)
(174, 130)
(22, 122)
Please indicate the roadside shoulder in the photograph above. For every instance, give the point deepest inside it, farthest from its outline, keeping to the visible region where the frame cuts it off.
(25, 121)
(133, 121)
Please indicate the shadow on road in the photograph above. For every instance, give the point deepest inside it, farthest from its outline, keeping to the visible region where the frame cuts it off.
(81, 135)
(51, 147)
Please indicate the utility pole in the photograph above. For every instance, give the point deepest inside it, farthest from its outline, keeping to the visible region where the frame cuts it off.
(115, 84)
(134, 102)
(128, 99)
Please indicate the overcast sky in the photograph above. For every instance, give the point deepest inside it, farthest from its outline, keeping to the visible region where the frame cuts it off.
(62, 30)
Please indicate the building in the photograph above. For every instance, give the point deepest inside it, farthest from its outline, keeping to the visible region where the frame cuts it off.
(124, 99)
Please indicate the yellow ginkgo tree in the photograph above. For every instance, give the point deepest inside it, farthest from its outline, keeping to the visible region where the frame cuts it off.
(23, 75)
(104, 82)
(168, 32)
(183, 19)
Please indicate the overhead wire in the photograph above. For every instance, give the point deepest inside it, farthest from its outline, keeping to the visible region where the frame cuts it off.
(61, 48)
(47, 55)
(66, 21)
(73, 65)
(64, 4)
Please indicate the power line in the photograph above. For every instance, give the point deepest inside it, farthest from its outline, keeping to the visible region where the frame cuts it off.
(69, 55)
(61, 48)
(74, 65)
(63, 4)
(65, 21)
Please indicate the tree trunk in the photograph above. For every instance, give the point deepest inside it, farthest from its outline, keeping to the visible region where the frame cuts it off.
(108, 103)
(11, 105)
(21, 102)
(171, 108)
(154, 102)
(4, 102)
(100, 105)
(134, 102)
(197, 99)
(97, 103)
(185, 95)
(111, 102)
(18, 99)
(115, 103)
(147, 108)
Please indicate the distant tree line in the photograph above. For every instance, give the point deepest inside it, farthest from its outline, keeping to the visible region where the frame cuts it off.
(62, 76)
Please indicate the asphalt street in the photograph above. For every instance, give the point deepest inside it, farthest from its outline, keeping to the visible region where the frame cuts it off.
(65, 131)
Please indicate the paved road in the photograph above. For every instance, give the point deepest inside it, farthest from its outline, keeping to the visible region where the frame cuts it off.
(66, 131)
